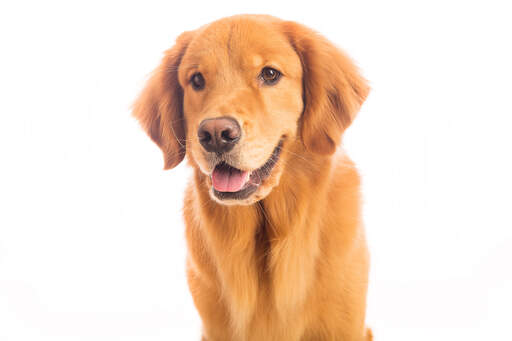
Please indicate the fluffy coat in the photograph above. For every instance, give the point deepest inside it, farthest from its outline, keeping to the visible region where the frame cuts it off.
(291, 262)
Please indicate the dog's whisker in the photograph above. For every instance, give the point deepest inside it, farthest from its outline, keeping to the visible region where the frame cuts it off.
(295, 154)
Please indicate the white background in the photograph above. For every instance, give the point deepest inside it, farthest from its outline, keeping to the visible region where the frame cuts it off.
(91, 236)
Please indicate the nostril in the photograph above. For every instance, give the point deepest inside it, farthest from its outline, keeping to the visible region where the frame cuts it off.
(205, 137)
(227, 135)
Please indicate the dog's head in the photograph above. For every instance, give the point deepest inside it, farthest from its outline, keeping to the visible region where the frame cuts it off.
(235, 94)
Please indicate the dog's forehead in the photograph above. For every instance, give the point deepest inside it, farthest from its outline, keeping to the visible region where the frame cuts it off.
(239, 41)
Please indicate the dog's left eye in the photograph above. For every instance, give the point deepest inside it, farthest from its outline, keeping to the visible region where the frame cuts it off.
(197, 81)
(270, 76)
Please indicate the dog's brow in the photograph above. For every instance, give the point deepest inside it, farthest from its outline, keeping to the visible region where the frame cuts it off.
(257, 60)
(190, 68)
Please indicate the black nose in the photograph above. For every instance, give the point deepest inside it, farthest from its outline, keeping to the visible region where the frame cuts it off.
(218, 135)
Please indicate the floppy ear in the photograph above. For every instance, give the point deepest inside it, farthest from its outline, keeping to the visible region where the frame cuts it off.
(159, 108)
(333, 89)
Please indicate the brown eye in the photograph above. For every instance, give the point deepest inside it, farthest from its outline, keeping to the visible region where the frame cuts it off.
(197, 81)
(270, 76)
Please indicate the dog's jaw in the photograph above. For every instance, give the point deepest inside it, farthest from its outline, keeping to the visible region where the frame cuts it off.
(259, 185)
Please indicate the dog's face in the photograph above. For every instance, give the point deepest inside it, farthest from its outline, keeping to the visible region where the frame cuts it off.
(242, 84)
(236, 94)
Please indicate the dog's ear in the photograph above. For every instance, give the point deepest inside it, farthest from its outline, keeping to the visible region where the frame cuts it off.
(333, 89)
(159, 108)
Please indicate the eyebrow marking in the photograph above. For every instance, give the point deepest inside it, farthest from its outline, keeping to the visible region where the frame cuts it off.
(257, 60)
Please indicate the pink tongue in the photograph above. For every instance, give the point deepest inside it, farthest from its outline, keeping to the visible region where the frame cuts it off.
(229, 179)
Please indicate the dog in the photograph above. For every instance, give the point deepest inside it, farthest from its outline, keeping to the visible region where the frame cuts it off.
(276, 245)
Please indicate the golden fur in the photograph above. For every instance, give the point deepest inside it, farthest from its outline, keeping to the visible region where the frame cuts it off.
(290, 262)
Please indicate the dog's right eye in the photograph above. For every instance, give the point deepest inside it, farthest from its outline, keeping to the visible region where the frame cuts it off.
(270, 76)
(197, 81)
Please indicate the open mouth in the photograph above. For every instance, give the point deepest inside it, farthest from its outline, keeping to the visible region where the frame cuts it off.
(232, 183)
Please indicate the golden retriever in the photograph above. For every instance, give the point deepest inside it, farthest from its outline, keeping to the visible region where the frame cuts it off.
(277, 249)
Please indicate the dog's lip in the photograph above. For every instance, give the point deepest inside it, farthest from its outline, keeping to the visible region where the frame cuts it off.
(256, 177)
